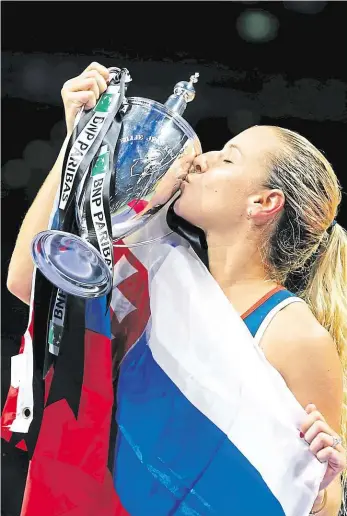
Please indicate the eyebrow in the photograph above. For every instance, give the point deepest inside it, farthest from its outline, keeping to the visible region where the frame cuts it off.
(233, 146)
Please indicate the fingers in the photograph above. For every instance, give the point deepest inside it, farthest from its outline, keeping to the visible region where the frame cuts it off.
(84, 90)
(336, 459)
(100, 81)
(182, 164)
(90, 80)
(189, 150)
(170, 182)
(313, 416)
(102, 70)
(80, 84)
(320, 437)
(319, 441)
(311, 408)
(317, 427)
(82, 98)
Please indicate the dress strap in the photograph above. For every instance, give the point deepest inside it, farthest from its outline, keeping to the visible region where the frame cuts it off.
(258, 316)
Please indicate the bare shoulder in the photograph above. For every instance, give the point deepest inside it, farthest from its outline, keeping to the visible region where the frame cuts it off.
(304, 353)
(295, 324)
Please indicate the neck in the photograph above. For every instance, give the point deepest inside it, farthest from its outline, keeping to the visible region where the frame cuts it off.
(237, 266)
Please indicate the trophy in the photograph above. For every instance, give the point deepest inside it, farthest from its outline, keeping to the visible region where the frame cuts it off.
(118, 159)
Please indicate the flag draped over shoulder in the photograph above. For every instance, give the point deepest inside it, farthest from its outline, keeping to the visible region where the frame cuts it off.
(179, 411)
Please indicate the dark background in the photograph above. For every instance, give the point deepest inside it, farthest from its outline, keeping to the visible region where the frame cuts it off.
(281, 63)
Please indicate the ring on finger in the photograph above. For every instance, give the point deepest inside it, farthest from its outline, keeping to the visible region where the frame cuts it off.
(336, 441)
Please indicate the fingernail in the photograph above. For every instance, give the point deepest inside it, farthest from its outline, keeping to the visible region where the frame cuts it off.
(302, 435)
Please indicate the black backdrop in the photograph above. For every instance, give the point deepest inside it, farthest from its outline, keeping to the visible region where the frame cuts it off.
(296, 78)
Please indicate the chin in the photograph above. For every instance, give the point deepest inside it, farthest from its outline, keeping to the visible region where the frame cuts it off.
(185, 210)
(179, 207)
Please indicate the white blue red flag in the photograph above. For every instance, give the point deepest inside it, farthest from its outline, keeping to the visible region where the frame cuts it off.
(178, 413)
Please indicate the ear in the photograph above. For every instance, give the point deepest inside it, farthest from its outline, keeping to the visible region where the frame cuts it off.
(263, 207)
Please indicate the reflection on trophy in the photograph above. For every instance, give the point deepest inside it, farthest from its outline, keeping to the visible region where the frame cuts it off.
(144, 166)
(127, 180)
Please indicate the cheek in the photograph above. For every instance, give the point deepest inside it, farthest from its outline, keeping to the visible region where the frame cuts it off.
(208, 203)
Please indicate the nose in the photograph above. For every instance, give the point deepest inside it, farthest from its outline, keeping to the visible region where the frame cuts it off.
(203, 162)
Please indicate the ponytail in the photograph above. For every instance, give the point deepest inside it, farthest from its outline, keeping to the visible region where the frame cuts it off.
(326, 294)
(307, 251)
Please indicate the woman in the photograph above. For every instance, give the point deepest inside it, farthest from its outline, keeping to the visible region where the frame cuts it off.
(267, 204)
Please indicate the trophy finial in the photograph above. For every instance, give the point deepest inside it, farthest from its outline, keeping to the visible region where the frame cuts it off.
(186, 89)
(194, 78)
(184, 92)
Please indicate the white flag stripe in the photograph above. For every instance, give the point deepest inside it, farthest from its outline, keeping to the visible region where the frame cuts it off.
(122, 270)
(202, 344)
(121, 305)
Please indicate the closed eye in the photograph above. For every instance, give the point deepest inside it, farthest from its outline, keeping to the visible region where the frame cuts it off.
(227, 161)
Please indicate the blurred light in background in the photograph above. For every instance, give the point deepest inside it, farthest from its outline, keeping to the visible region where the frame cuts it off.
(61, 73)
(36, 76)
(66, 70)
(39, 154)
(305, 7)
(16, 173)
(257, 26)
(241, 119)
(38, 159)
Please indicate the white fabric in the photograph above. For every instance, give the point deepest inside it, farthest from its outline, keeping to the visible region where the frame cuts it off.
(120, 305)
(25, 398)
(205, 348)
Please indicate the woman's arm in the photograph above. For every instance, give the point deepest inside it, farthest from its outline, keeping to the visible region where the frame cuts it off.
(333, 500)
(307, 358)
(21, 265)
(83, 90)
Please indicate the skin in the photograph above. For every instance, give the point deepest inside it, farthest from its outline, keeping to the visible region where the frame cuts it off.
(228, 202)
(223, 194)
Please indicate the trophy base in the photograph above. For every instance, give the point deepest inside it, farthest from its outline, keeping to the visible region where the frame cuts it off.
(71, 264)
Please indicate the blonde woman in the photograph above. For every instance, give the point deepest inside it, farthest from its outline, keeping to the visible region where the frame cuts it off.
(267, 203)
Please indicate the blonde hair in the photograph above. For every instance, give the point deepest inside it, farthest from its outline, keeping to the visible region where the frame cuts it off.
(308, 250)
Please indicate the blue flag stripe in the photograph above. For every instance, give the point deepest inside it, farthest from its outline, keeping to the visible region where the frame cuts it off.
(170, 458)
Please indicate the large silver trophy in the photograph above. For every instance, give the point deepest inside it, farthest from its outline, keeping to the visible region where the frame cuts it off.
(151, 137)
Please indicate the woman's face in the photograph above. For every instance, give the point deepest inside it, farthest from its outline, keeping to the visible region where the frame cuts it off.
(228, 182)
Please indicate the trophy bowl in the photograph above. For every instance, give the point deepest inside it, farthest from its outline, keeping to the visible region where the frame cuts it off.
(151, 139)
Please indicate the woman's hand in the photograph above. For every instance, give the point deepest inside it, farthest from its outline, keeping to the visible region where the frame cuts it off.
(83, 90)
(323, 444)
(170, 183)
